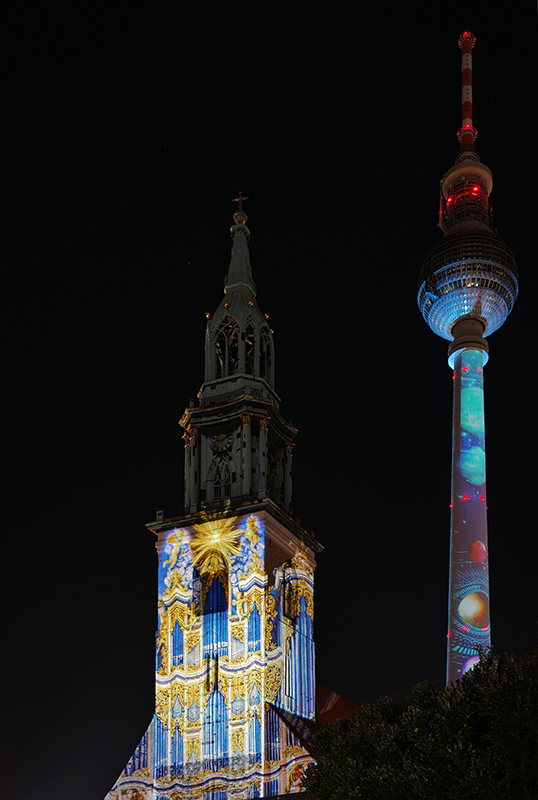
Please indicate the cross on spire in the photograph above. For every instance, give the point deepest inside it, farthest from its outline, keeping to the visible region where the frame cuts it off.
(240, 216)
(240, 200)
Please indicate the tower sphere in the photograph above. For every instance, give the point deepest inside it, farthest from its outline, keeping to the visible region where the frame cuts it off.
(240, 218)
(471, 274)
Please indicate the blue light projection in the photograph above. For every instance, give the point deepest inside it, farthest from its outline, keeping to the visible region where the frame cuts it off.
(468, 623)
(234, 645)
(467, 287)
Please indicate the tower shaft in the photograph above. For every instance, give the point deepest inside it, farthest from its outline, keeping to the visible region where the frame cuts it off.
(468, 612)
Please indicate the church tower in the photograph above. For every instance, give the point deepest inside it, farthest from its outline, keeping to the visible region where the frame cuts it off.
(234, 672)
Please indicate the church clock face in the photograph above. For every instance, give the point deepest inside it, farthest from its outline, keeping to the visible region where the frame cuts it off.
(220, 442)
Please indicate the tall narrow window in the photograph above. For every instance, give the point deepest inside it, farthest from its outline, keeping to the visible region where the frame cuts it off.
(249, 346)
(215, 621)
(266, 354)
(177, 645)
(254, 630)
(226, 347)
(222, 481)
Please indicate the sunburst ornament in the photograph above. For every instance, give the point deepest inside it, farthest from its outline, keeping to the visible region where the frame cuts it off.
(215, 545)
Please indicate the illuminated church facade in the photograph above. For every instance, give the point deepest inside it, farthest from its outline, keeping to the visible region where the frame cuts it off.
(235, 659)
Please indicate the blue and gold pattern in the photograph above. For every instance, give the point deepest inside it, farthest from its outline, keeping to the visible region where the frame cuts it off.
(233, 656)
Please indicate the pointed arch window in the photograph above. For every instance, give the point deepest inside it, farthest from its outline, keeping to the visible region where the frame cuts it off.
(250, 341)
(266, 354)
(216, 619)
(177, 645)
(254, 630)
(226, 347)
(222, 479)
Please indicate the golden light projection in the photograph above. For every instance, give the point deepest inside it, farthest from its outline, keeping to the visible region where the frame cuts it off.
(175, 540)
(233, 651)
(252, 531)
(215, 545)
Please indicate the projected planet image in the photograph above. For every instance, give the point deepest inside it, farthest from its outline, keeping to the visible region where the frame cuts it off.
(469, 664)
(477, 551)
(474, 609)
(472, 465)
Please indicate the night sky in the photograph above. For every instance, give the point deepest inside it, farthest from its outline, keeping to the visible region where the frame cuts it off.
(130, 127)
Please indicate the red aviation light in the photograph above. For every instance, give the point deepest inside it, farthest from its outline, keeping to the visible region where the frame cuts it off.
(465, 497)
(465, 369)
(467, 35)
(483, 499)
(464, 628)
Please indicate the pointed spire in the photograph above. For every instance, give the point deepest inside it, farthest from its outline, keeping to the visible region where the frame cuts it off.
(239, 341)
(240, 271)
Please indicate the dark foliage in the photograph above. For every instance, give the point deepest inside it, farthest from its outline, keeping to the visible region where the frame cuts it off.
(476, 740)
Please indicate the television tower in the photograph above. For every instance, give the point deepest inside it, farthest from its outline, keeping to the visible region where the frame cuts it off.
(466, 289)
